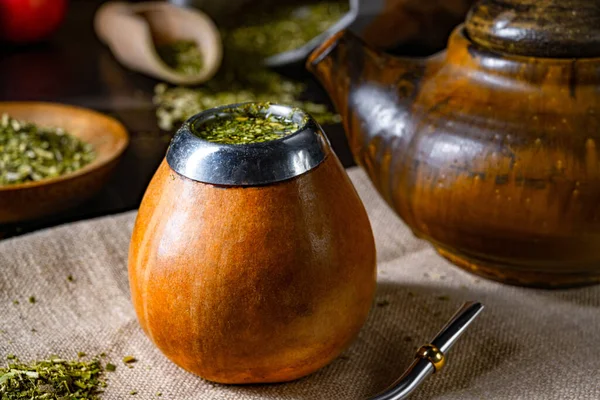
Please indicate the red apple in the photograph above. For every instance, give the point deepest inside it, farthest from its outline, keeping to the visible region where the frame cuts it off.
(26, 21)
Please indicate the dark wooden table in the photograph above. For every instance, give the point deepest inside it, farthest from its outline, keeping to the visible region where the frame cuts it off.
(75, 68)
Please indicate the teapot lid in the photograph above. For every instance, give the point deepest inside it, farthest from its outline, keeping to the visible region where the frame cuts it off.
(549, 28)
(251, 164)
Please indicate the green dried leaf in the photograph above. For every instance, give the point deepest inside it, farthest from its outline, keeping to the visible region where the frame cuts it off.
(269, 27)
(129, 359)
(32, 153)
(248, 124)
(183, 56)
(53, 378)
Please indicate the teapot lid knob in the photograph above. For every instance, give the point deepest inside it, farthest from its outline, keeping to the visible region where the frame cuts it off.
(534, 28)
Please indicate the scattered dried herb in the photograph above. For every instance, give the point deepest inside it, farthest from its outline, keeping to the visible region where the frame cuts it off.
(81, 354)
(183, 56)
(247, 124)
(111, 367)
(129, 359)
(70, 278)
(54, 378)
(133, 392)
(176, 104)
(383, 303)
(31, 153)
(16, 302)
(32, 299)
(241, 78)
(268, 29)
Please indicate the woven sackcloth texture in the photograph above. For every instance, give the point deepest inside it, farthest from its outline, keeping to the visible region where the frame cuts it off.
(528, 344)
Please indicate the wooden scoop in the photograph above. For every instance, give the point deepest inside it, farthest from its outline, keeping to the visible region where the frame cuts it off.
(132, 32)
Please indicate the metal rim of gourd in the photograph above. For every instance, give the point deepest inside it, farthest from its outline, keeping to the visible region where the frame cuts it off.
(252, 164)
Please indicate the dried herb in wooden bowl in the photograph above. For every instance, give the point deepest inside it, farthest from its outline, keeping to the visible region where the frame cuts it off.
(183, 56)
(177, 104)
(32, 153)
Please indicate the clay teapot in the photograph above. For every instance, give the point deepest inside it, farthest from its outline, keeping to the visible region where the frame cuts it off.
(251, 262)
(488, 149)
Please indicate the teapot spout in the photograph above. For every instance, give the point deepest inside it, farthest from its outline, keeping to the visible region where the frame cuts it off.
(353, 73)
(373, 92)
(337, 64)
(345, 59)
(328, 64)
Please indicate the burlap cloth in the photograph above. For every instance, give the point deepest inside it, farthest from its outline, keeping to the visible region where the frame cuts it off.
(528, 344)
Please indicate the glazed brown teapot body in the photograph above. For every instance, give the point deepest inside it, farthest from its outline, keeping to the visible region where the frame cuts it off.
(489, 149)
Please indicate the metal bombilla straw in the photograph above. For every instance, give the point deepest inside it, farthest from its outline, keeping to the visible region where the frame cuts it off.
(432, 357)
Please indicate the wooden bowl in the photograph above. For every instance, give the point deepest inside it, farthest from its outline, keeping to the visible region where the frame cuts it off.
(32, 200)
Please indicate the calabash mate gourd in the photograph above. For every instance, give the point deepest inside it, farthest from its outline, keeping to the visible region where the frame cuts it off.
(251, 262)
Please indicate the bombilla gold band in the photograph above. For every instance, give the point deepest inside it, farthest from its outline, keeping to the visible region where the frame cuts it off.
(432, 354)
